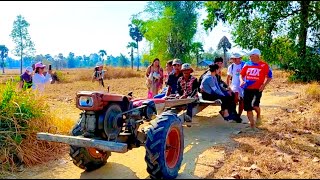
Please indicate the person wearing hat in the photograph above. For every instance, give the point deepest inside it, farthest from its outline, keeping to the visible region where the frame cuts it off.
(98, 74)
(173, 78)
(187, 87)
(211, 91)
(154, 75)
(26, 78)
(233, 79)
(39, 80)
(254, 77)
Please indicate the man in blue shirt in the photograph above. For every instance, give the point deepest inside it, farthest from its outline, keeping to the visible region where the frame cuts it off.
(173, 77)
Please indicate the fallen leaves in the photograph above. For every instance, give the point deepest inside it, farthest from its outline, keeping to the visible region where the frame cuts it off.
(316, 159)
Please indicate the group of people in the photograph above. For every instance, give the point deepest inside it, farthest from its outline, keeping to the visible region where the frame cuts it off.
(35, 77)
(244, 84)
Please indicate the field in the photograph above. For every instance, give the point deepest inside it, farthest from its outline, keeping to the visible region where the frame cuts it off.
(287, 146)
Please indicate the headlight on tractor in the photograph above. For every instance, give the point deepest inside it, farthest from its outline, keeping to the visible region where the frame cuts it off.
(86, 101)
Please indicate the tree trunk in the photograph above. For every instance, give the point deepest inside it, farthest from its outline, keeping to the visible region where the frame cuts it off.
(21, 64)
(304, 28)
(225, 58)
(138, 55)
(21, 52)
(2, 65)
(197, 56)
(56, 63)
(131, 57)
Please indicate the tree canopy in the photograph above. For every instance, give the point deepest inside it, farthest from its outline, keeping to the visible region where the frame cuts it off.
(169, 28)
(270, 25)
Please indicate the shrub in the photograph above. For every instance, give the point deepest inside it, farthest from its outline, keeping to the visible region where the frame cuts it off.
(22, 115)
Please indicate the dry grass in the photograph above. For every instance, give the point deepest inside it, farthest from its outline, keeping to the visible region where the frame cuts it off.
(288, 146)
(85, 74)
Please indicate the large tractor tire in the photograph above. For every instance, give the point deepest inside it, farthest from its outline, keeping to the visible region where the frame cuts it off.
(88, 159)
(164, 146)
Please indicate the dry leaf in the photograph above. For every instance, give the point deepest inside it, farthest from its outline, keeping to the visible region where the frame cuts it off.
(255, 167)
(316, 159)
(236, 175)
(246, 168)
(289, 110)
(245, 159)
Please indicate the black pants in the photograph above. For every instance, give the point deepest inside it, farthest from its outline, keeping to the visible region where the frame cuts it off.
(248, 97)
(227, 101)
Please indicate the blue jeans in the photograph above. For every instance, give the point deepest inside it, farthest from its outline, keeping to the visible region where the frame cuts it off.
(162, 94)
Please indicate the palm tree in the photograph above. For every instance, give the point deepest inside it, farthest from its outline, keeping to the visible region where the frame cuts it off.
(225, 45)
(102, 54)
(131, 45)
(3, 54)
(197, 48)
(137, 36)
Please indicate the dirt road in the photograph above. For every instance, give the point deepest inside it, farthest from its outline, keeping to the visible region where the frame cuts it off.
(200, 159)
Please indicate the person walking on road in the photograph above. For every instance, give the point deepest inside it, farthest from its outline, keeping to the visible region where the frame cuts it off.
(233, 80)
(254, 77)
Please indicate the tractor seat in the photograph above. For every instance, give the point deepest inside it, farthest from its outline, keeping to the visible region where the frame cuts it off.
(202, 101)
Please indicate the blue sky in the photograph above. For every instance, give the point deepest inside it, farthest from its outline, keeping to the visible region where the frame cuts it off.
(83, 27)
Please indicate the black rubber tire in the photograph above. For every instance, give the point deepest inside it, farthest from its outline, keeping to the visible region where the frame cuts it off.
(156, 145)
(81, 156)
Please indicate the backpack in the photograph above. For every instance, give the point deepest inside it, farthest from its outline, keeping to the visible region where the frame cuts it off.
(242, 64)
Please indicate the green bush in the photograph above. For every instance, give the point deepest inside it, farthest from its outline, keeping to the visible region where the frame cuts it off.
(16, 109)
(305, 70)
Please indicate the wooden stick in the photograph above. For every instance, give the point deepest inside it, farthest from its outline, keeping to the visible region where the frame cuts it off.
(103, 145)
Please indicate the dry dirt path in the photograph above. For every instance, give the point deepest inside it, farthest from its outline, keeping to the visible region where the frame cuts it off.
(200, 159)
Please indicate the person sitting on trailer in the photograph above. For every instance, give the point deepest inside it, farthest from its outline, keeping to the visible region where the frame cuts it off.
(187, 88)
(211, 90)
(173, 78)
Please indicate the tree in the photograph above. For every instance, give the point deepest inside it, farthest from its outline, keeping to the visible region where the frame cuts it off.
(102, 53)
(257, 24)
(137, 36)
(170, 28)
(3, 54)
(20, 36)
(71, 60)
(197, 48)
(225, 45)
(122, 61)
(131, 45)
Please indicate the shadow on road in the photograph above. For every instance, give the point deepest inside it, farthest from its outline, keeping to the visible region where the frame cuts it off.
(111, 170)
(206, 133)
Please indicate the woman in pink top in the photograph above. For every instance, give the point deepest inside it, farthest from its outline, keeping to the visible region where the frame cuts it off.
(154, 76)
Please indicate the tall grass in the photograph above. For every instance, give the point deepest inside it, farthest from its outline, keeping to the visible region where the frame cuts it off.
(22, 115)
(313, 92)
(72, 75)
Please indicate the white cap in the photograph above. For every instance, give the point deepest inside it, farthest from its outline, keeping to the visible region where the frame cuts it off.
(255, 51)
(29, 69)
(236, 55)
(98, 64)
